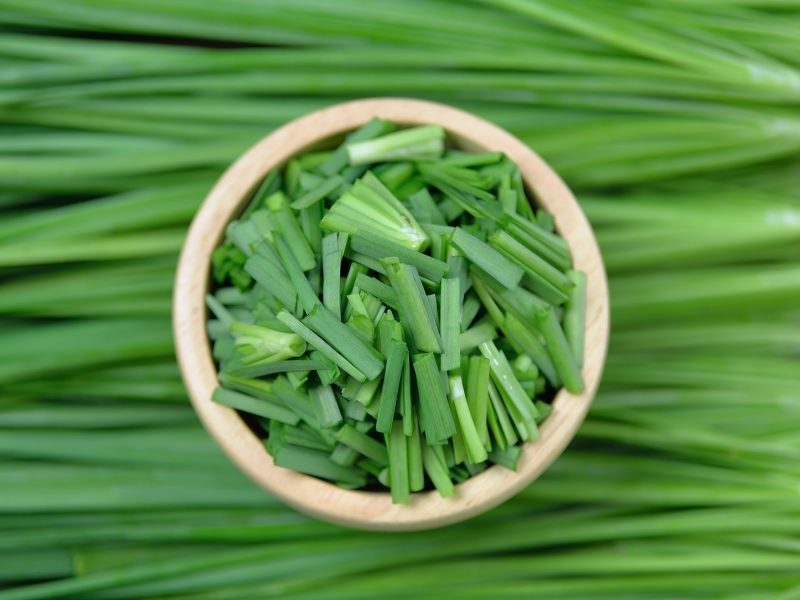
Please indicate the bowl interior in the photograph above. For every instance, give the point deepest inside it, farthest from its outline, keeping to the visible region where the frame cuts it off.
(366, 509)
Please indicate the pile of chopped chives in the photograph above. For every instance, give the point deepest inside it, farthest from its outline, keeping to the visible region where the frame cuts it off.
(395, 308)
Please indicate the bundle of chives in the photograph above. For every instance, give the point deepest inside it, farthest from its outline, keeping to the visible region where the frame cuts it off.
(403, 307)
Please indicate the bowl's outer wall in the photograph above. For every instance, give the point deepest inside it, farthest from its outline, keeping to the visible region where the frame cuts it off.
(361, 509)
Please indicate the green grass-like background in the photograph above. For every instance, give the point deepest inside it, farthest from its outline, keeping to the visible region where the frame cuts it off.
(675, 122)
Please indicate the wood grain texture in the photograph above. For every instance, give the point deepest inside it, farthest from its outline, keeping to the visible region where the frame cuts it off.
(374, 510)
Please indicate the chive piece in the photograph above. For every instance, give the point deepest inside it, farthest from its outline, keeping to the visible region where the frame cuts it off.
(254, 406)
(369, 244)
(478, 395)
(258, 388)
(473, 337)
(318, 464)
(356, 411)
(269, 185)
(436, 419)
(289, 228)
(544, 243)
(472, 159)
(414, 307)
(362, 443)
(476, 453)
(416, 473)
(487, 258)
(380, 290)
(559, 351)
(349, 281)
(548, 281)
(308, 299)
(364, 357)
(262, 369)
(425, 209)
(330, 415)
(575, 315)
(393, 175)
(546, 220)
(503, 376)
(255, 343)
(391, 385)
(272, 277)
(501, 415)
(332, 274)
(315, 341)
(344, 456)
(416, 143)
(406, 391)
(338, 160)
(398, 464)
(369, 206)
(507, 457)
(450, 323)
(436, 468)
(316, 194)
(469, 310)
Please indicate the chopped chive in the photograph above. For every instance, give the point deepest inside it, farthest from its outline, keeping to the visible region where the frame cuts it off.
(308, 299)
(486, 300)
(507, 457)
(559, 351)
(484, 331)
(289, 228)
(330, 415)
(575, 315)
(339, 160)
(332, 273)
(391, 385)
(478, 395)
(262, 369)
(406, 391)
(416, 143)
(362, 443)
(487, 258)
(470, 159)
(498, 409)
(272, 277)
(380, 290)
(316, 342)
(476, 453)
(367, 392)
(363, 356)
(254, 406)
(437, 471)
(393, 175)
(416, 473)
(414, 308)
(369, 244)
(469, 310)
(450, 323)
(219, 311)
(425, 209)
(436, 419)
(507, 383)
(257, 344)
(343, 455)
(398, 464)
(318, 464)
(315, 195)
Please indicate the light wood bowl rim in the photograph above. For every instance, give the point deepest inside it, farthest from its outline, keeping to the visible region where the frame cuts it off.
(361, 509)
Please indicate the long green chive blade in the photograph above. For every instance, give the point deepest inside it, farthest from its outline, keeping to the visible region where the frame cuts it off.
(318, 464)
(558, 348)
(414, 308)
(328, 407)
(391, 386)
(436, 419)
(575, 316)
(416, 472)
(450, 323)
(478, 395)
(487, 258)
(316, 342)
(476, 452)
(308, 298)
(417, 143)
(272, 277)
(254, 406)
(362, 443)
(527, 341)
(363, 356)
(371, 245)
(437, 471)
(287, 225)
(398, 464)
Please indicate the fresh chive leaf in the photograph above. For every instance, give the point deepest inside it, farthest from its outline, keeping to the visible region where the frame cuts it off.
(330, 415)
(478, 395)
(362, 443)
(416, 473)
(476, 453)
(316, 194)
(487, 258)
(437, 471)
(308, 299)
(254, 406)
(332, 274)
(318, 464)
(575, 315)
(559, 351)
(391, 386)
(414, 308)
(435, 417)
(369, 244)
(287, 225)
(450, 323)
(484, 331)
(416, 143)
(398, 464)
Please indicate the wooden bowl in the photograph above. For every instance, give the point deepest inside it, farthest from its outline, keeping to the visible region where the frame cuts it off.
(363, 509)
